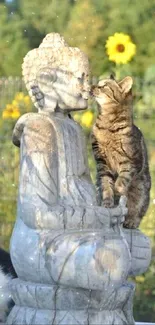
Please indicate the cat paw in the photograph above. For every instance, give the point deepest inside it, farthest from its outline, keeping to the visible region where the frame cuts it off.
(120, 188)
(131, 224)
(108, 203)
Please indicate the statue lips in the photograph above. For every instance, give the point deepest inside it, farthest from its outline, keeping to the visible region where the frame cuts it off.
(83, 103)
(85, 95)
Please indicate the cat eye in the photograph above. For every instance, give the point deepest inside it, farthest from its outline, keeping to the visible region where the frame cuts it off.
(102, 87)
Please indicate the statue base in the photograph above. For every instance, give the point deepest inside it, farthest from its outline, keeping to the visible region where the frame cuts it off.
(70, 306)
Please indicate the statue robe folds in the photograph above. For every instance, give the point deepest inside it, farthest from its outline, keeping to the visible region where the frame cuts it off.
(57, 211)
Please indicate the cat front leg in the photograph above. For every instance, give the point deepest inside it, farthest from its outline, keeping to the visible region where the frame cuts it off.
(123, 181)
(105, 179)
(105, 190)
(107, 185)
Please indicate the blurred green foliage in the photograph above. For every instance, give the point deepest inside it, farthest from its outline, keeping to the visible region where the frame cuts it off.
(12, 44)
(86, 24)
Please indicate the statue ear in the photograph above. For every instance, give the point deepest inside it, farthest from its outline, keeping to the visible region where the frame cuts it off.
(126, 84)
(45, 78)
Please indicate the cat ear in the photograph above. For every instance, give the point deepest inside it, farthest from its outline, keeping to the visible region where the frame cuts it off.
(112, 76)
(126, 84)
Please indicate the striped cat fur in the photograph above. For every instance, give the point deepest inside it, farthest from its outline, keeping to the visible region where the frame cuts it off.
(120, 151)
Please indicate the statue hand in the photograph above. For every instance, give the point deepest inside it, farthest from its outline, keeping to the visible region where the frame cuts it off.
(119, 212)
(103, 214)
(122, 204)
(115, 215)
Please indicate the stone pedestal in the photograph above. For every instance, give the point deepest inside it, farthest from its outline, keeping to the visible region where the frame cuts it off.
(52, 304)
(40, 299)
(71, 256)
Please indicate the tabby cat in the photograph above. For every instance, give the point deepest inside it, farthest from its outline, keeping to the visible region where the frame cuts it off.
(120, 151)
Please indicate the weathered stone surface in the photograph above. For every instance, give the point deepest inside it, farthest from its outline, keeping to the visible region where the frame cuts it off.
(140, 249)
(71, 256)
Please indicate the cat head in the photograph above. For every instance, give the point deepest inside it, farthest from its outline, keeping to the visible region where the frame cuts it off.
(109, 91)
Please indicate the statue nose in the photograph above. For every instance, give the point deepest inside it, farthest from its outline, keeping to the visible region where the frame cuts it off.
(86, 87)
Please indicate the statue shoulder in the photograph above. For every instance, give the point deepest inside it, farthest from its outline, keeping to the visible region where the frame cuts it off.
(32, 123)
(19, 126)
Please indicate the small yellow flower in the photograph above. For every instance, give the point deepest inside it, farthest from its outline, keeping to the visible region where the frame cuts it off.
(15, 103)
(15, 113)
(140, 278)
(6, 114)
(19, 97)
(120, 48)
(8, 107)
(87, 119)
(11, 111)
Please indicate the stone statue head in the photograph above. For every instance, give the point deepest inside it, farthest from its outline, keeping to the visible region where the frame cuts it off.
(56, 75)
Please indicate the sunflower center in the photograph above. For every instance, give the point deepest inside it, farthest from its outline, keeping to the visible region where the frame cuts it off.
(120, 48)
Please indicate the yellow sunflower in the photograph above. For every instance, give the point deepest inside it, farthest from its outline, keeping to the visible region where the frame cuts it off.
(120, 48)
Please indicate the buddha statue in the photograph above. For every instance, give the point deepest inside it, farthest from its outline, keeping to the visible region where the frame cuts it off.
(71, 256)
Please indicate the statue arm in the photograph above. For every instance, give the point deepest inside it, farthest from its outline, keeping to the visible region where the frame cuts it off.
(68, 217)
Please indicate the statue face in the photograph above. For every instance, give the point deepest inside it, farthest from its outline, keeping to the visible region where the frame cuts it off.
(56, 75)
(66, 90)
(73, 90)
